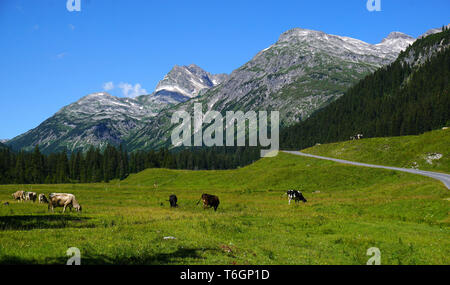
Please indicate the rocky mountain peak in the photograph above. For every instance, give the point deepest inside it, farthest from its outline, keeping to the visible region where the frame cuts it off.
(188, 80)
(397, 35)
(96, 96)
(298, 33)
(396, 42)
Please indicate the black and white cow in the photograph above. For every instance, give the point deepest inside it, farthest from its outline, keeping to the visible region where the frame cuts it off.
(30, 196)
(295, 195)
(42, 199)
(356, 137)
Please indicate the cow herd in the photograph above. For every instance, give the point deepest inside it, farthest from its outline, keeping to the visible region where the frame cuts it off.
(25, 196)
(54, 200)
(65, 200)
(212, 201)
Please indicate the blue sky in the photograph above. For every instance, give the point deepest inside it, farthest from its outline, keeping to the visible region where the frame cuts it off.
(51, 57)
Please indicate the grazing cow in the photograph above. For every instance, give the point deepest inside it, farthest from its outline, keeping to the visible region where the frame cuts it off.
(30, 196)
(357, 137)
(173, 201)
(211, 201)
(19, 195)
(42, 199)
(295, 195)
(63, 200)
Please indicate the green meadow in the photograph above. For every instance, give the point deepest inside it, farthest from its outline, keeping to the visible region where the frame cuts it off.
(349, 210)
(405, 151)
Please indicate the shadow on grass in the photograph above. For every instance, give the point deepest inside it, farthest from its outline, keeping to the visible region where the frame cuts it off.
(175, 257)
(51, 221)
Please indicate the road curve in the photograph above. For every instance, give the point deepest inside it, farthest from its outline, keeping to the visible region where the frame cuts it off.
(445, 178)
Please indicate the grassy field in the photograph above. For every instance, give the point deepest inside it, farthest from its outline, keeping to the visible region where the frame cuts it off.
(406, 151)
(349, 210)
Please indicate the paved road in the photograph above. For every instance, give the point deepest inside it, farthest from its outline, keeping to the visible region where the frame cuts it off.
(445, 178)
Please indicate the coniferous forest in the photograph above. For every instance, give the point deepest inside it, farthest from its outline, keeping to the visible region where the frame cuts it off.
(112, 163)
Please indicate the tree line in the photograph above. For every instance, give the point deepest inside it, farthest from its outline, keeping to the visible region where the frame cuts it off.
(113, 162)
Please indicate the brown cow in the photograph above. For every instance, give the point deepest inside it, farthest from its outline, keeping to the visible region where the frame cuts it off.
(63, 200)
(19, 195)
(211, 201)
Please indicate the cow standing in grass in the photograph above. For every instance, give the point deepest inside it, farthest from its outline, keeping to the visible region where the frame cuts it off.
(63, 200)
(30, 196)
(356, 137)
(173, 201)
(211, 201)
(42, 199)
(295, 195)
(19, 195)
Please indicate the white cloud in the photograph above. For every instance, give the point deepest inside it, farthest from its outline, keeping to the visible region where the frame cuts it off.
(61, 55)
(128, 90)
(108, 86)
(72, 27)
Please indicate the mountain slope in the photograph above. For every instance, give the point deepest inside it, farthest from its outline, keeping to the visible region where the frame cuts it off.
(96, 119)
(303, 71)
(410, 96)
(99, 118)
(286, 75)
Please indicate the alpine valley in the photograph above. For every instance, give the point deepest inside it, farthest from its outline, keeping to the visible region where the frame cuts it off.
(303, 71)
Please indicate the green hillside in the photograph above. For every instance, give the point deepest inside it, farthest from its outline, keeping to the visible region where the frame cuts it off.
(277, 174)
(349, 210)
(428, 151)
